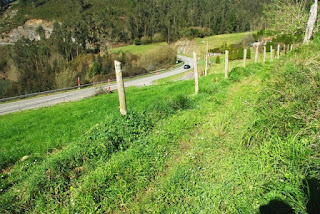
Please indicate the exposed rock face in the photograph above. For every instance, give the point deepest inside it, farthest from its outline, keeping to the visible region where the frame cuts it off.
(28, 30)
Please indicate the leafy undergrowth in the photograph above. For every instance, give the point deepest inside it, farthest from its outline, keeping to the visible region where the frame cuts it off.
(243, 145)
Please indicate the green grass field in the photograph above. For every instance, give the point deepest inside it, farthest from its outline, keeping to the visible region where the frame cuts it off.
(138, 49)
(218, 40)
(214, 42)
(237, 146)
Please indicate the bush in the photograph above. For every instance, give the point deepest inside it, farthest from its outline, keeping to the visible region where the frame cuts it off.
(247, 41)
(161, 57)
(158, 37)
(145, 40)
(133, 71)
(271, 44)
(248, 53)
(236, 53)
(137, 41)
(194, 32)
(218, 60)
(165, 107)
(237, 73)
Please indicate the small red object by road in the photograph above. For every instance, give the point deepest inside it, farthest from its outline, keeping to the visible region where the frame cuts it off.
(109, 87)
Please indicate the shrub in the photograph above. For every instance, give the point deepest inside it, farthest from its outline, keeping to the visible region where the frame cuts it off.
(269, 45)
(145, 40)
(218, 60)
(247, 41)
(248, 53)
(161, 57)
(158, 37)
(137, 41)
(165, 107)
(237, 73)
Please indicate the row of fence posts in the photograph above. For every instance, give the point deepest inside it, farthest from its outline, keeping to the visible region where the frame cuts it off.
(256, 58)
(120, 83)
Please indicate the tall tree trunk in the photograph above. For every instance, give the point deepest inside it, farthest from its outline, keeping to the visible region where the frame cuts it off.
(311, 22)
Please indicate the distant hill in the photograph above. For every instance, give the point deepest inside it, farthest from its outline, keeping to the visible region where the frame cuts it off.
(127, 20)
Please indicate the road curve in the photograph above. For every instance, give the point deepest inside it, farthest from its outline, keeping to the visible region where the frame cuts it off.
(76, 95)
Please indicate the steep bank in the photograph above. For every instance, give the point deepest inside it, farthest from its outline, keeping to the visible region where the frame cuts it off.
(242, 145)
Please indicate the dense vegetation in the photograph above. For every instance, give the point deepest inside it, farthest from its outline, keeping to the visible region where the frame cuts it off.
(240, 145)
(57, 62)
(126, 20)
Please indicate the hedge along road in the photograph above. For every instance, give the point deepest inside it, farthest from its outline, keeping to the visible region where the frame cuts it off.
(76, 95)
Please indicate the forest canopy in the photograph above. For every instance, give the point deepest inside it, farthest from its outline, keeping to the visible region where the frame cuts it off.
(126, 20)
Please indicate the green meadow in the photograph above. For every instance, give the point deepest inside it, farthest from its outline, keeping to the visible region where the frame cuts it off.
(238, 145)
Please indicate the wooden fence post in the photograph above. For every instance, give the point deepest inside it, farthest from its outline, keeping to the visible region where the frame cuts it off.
(264, 54)
(257, 54)
(271, 53)
(278, 52)
(226, 64)
(121, 91)
(244, 57)
(196, 75)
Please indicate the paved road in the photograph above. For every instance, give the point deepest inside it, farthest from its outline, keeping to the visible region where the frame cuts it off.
(4, 44)
(75, 95)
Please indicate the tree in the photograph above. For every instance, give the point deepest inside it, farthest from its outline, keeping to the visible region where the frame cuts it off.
(286, 18)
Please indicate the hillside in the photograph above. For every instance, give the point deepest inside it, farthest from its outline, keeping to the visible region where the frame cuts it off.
(248, 144)
(125, 20)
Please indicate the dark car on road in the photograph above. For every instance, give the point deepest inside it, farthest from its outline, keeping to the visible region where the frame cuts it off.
(186, 66)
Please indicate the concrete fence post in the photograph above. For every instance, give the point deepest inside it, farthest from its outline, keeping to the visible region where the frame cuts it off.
(206, 69)
(196, 74)
(226, 64)
(257, 54)
(278, 52)
(121, 91)
(244, 57)
(264, 54)
(271, 53)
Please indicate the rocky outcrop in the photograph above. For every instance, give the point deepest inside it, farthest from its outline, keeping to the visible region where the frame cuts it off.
(28, 30)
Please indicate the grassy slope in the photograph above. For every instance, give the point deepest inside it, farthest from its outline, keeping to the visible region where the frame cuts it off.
(138, 50)
(218, 40)
(26, 138)
(236, 146)
(214, 42)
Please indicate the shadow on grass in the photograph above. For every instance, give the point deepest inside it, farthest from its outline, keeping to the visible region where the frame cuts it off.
(312, 192)
(276, 207)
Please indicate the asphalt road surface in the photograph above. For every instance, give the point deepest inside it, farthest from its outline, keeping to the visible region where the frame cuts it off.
(75, 95)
